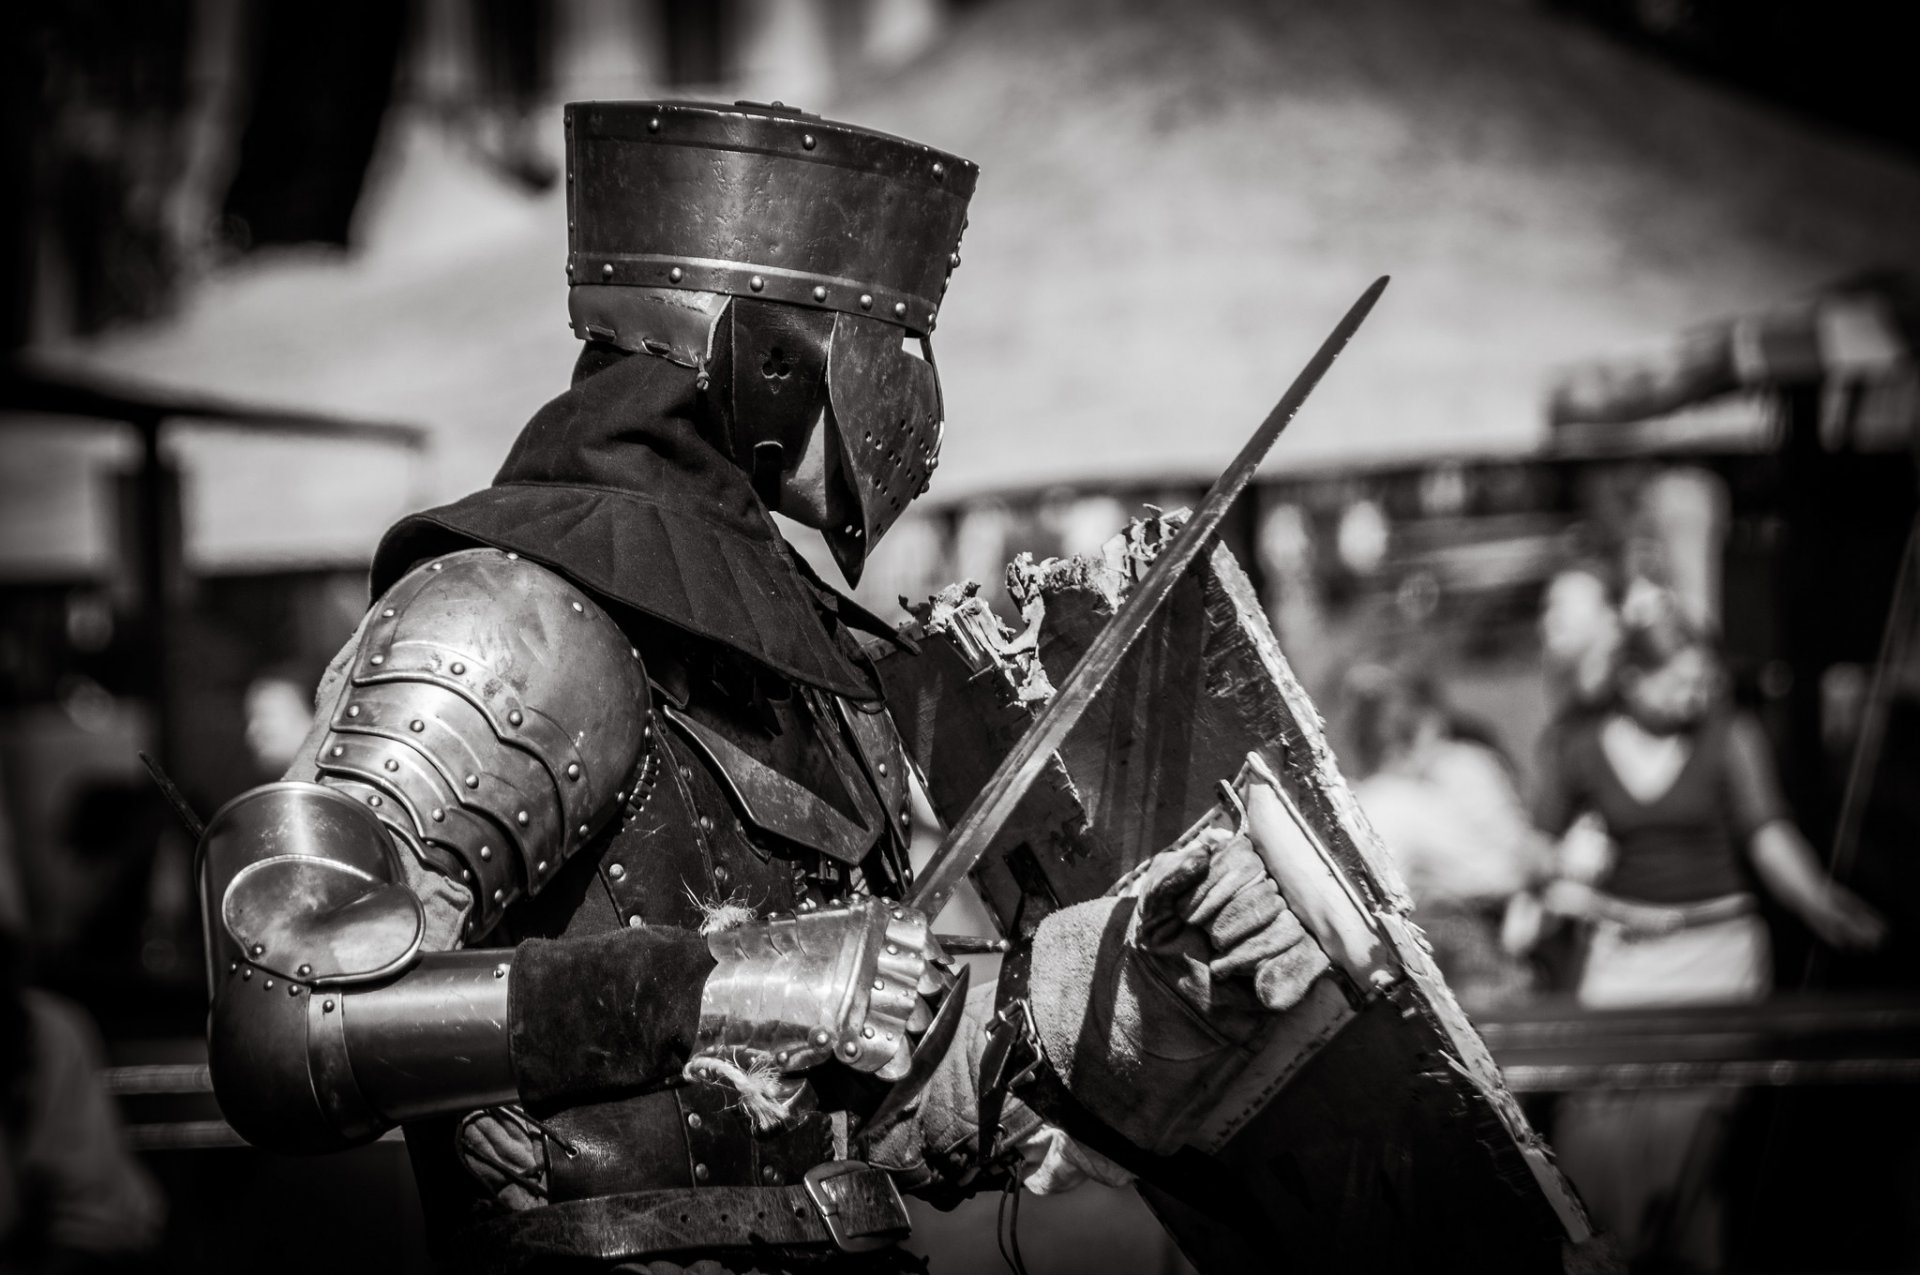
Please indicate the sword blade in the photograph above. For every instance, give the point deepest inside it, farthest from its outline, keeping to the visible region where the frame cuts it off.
(994, 804)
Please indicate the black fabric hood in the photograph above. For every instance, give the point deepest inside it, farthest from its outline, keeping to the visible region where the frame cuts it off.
(612, 486)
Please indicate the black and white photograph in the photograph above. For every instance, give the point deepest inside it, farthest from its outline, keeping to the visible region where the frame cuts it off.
(959, 637)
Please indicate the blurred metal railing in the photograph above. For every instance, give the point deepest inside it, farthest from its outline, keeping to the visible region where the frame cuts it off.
(1549, 1047)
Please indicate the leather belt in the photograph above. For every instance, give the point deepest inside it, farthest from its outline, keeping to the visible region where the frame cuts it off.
(844, 1203)
(1652, 920)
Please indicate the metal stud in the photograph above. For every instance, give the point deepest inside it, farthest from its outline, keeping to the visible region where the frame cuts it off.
(900, 309)
(879, 984)
(247, 972)
(706, 824)
(259, 949)
(513, 557)
(882, 768)
(499, 896)
(579, 608)
(439, 815)
(353, 710)
(939, 169)
(293, 989)
(819, 292)
(866, 301)
(267, 986)
(617, 871)
(653, 125)
(486, 853)
(378, 660)
(522, 818)
(701, 1173)
(388, 613)
(906, 816)
(867, 1032)
(514, 718)
(573, 770)
(584, 830)
(500, 971)
(693, 1120)
(339, 751)
(326, 1006)
(757, 284)
(416, 725)
(807, 141)
(850, 1048)
(770, 1175)
(305, 971)
(391, 764)
(953, 261)
(634, 923)
(821, 1037)
(473, 781)
(675, 275)
(457, 668)
(606, 271)
(437, 566)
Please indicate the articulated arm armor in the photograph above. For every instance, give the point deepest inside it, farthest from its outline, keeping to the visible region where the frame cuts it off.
(491, 720)
(489, 723)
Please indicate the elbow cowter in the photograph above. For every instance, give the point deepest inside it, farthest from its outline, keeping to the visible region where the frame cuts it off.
(261, 1056)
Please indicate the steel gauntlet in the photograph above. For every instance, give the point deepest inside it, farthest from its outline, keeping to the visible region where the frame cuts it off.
(842, 983)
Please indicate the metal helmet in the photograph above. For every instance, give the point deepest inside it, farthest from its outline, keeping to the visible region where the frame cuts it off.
(797, 262)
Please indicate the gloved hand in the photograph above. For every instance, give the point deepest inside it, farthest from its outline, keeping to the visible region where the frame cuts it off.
(1209, 900)
(1146, 1001)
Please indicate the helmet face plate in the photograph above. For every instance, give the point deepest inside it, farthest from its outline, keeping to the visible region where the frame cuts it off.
(887, 411)
(833, 243)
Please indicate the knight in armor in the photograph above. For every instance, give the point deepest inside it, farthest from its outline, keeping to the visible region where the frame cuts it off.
(587, 875)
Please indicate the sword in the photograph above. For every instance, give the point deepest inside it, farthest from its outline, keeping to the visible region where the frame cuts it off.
(995, 803)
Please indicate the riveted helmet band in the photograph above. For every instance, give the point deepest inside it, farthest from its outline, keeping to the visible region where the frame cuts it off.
(790, 258)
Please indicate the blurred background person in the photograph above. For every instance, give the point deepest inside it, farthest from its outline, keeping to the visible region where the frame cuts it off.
(1674, 820)
(73, 1199)
(279, 709)
(1579, 636)
(1445, 805)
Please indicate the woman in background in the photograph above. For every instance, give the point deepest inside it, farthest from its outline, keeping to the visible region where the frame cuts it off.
(1446, 808)
(1674, 819)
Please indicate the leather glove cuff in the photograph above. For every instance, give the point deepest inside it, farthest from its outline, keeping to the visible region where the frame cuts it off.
(605, 1013)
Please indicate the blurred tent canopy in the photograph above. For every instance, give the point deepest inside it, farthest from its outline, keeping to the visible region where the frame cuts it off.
(1176, 201)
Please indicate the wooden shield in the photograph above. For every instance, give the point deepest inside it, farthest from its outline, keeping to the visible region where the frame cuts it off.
(1370, 1123)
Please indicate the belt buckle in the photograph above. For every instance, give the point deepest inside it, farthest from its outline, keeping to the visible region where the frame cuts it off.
(823, 1182)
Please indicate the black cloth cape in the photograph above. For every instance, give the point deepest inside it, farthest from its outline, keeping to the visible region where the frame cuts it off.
(612, 486)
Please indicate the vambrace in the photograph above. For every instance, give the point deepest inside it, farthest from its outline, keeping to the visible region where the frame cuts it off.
(329, 1024)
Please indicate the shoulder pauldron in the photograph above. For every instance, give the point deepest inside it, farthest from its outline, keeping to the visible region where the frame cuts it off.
(493, 716)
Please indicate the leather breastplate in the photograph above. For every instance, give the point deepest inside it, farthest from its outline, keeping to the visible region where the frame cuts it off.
(771, 804)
